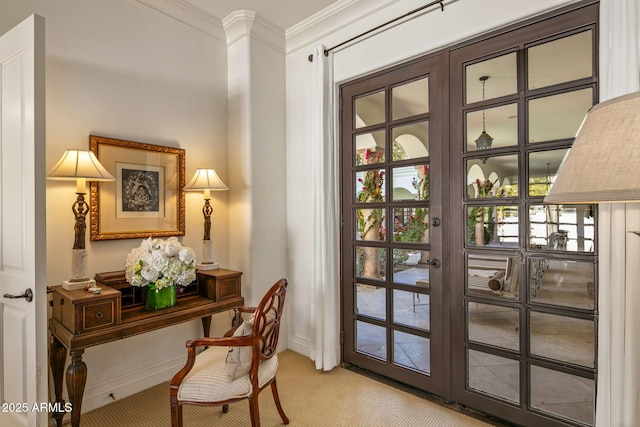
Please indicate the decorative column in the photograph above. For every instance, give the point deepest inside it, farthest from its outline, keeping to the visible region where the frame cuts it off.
(256, 93)
(371, 193)
(423, 194)
(479, 232)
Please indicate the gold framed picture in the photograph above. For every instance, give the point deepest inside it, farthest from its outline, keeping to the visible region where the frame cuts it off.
(147, 197)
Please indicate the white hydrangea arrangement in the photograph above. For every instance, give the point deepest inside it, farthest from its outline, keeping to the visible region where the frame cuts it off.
(161, 262)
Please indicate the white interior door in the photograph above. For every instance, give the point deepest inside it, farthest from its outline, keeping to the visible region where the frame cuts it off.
(23, 321)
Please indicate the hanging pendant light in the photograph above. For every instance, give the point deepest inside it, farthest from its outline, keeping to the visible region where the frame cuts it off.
(484, 140)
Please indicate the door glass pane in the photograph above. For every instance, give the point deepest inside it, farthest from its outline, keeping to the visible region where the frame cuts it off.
(494, 325)
(369, 110)
(371, 340)
(562, 228)
(494, 275)
(412, 351)
(410, 99)
(571, 57)
(411, 225)
(558, 116)
(371, 301)
(566, 283)
(411, 309)
(492, 226)
(411, 267)
(502, 69)
(410, 141)
(500, 123)
(370, 224)
(370, 263)
(369, 186)
(410, 183)
(494, 375)
(369, 148)
(563, 338)
(491, 177)
(562, 394)
(543, 167)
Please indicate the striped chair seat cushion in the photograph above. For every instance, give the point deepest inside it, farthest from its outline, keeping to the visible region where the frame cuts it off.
(208, 380)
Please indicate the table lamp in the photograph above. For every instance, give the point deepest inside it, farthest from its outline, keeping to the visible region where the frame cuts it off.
(601, 166)
(80, 166)
(207, 180)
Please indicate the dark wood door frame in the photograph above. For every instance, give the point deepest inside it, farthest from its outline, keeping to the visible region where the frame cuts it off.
(435, 67)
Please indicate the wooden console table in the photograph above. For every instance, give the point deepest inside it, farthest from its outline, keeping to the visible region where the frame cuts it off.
(81, 319)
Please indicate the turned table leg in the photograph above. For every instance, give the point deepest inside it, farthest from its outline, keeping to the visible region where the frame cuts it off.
(57, 359)
(76, 380)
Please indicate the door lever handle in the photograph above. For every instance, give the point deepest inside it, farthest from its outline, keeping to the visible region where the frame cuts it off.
(28, 295)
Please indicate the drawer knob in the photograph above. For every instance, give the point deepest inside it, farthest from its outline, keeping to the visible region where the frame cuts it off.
(99, 315)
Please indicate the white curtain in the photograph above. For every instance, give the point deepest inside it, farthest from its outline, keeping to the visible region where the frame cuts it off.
(618, 394)
(325, 261)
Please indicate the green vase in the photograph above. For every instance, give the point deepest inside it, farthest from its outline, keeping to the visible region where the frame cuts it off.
(162, 298)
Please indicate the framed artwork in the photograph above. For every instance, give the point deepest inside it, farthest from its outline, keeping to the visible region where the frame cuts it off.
(147, 197)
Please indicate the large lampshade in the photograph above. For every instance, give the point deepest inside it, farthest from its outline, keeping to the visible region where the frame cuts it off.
(206, 179)
(80, 166)
(603, 164)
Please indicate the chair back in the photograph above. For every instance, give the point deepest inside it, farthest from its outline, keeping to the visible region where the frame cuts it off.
(267, 319)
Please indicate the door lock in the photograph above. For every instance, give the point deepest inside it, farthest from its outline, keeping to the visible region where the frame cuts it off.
(28, 295)
(435, 263)
(435, 222)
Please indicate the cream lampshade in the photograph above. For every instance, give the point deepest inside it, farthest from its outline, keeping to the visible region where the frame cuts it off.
(601, 166)
(80, 166)
(206, 180)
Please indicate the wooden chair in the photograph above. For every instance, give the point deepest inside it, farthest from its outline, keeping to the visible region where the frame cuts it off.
(216, 376)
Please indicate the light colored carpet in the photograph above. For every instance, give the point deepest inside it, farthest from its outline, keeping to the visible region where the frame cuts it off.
(309, 398)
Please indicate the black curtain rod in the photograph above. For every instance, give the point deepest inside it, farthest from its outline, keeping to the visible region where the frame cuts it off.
(433, 3)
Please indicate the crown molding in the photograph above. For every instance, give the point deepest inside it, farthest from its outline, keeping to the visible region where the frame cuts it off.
(187, 15)
(342, 14)
(246, 23)
(325, 13)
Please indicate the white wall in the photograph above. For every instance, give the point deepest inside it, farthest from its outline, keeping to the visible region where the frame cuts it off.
(116, 69)
(427, 32)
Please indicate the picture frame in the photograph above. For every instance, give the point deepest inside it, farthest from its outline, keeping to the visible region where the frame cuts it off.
(147, 197)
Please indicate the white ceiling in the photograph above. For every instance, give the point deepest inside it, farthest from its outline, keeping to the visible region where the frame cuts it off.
(283, 13)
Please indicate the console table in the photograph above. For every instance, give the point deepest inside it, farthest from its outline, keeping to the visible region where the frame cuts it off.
(82, 319)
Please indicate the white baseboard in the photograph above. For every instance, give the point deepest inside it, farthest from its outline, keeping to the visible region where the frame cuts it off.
(300, 345)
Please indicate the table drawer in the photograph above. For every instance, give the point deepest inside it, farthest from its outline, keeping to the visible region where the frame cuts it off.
(80, 311)
(228, 288)
(97, 315)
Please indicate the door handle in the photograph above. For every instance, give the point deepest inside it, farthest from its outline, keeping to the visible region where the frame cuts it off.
(28, 295)
(435, 263)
